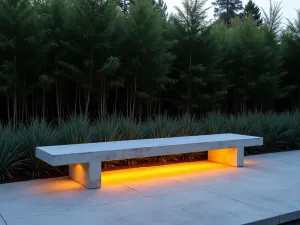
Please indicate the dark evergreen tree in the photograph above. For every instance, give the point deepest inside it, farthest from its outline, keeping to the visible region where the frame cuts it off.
(200, 83)
(146, 57)
(57, 23)
(227, 9)
(252, 9)
(22, 54)
(273, 17)
(254, 65)
(92, 63)
(124, 4)
(291, 53)
(57, 56)
(161, 5)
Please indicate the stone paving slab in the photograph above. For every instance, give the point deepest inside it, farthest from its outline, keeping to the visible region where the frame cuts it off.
(265, 191)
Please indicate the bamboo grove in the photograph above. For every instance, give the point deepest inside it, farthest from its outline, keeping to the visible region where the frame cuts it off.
(102, 57)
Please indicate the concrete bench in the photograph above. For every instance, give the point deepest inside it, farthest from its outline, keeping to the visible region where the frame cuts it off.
(84, 160)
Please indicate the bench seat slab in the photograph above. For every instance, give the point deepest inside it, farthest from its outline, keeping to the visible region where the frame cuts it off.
(229, 156)
(86, 174)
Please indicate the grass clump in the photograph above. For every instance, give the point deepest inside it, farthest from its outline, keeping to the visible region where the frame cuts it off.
(107, 129)
(161, 127)
(36, 133)
(214, 123)
(281, 132)
(188, 126)
(75, 130)
(12, 159)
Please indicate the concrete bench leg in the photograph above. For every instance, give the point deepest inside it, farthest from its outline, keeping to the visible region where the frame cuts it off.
(87, 174)
(230, 156)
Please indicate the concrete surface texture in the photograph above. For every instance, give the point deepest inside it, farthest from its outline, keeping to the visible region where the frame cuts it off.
(83, 153)
(265, 191)
(84, 160)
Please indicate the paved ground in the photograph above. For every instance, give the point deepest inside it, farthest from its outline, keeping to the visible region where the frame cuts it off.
(267, 189)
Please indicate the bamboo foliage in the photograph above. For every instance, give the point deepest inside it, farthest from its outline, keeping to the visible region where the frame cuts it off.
(98, 57)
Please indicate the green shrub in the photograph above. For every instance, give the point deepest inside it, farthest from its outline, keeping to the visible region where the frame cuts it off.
(75, 130)
(214, 123)
(280, 131)
(108, 129)
(12, 159)
(132, 129)
(244, 124)
(188, 126)
(295, 133)
(161, 127)
(37, 133)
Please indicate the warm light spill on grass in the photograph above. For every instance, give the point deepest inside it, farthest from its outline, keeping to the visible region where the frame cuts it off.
(156, 172)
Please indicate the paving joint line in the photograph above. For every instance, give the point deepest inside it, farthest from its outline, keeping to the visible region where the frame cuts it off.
(255, 207)
(136, 190)
(3, 219)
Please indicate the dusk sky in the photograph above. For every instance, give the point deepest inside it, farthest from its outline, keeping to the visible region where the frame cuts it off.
(288, 6)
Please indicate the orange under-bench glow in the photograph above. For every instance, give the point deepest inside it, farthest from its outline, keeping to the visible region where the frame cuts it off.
(157, 172)
(148, 175)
